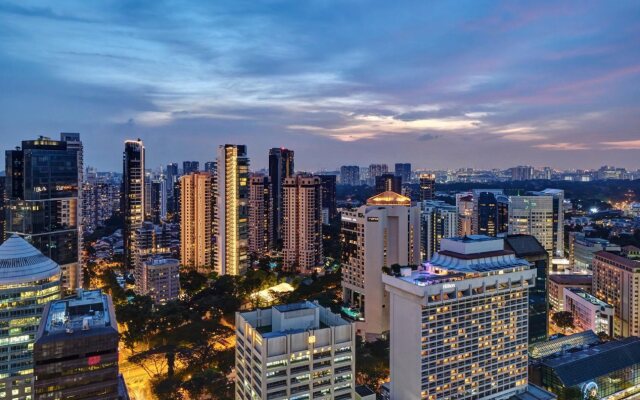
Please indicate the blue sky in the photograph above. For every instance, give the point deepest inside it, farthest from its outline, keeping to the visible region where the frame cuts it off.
(441, 84)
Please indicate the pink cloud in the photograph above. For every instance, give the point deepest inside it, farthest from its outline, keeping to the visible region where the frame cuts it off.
(622, 145)
(562, 146)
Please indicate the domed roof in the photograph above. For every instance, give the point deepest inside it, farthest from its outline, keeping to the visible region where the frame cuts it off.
(20, 262)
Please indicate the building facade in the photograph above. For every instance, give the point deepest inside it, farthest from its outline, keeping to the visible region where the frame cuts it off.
(159, 278)
(329, 201)
(302, 224)
(388, 183)
(380, 234)
(350, 175)
(459, 326)
(43, 201)
(231, 212)
(533, 215)
(427, 187)
(78, 335)
(196, 223)
(133, 196)
(488, 212)
(281, 166)
(464, 203)
(582, 250)
(294, 351)
(557, 283)
(616, 281)
(28, 281)
(403, 170)
(589, 312)
(260, 215)
(439, 220)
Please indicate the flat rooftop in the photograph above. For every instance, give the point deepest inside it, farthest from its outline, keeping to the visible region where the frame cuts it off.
(589, 297)
(87, 310)
(424, 278)
(571, 279)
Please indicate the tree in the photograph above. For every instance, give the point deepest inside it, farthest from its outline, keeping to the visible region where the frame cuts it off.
(563, 320)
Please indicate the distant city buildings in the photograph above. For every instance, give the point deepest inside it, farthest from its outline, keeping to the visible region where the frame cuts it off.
(350, 175)
(376, 170)
(76, 349)
(439, 220)
(28, 281)
(403, 170)
(302, 224)
(133, 175)
(231, 232)
(294, 351)
(522, 173)
(189, 167)
(388, 183)
(329, 202)
(427, 187)
(196, 221)
(43, 196)
(459, 326)
(380, 234)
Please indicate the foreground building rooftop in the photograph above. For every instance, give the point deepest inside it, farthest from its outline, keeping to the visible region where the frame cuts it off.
(87, 312)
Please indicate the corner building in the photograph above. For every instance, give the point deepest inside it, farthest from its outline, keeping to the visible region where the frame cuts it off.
(459, 326)
(294, 351)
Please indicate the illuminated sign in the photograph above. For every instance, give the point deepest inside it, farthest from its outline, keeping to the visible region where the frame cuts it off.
(449, 286)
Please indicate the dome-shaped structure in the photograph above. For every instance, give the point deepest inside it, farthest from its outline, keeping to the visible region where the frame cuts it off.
(20, 262)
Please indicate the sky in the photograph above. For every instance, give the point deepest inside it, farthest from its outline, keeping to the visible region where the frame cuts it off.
(440, 84)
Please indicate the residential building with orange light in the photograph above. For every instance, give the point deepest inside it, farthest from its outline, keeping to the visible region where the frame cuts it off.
(196, 211)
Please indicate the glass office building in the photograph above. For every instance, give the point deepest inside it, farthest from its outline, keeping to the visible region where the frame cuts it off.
(42, 181)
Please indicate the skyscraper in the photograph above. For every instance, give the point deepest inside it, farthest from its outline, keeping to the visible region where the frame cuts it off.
(189, 167)
(459, 326)
(329, 204)
(532, 215)
(302, 224)
(260, 215)
(350, 175)
(133, 177)
(231, 210)
(485, 212)
(43, 200)
(28, 281)
(439, 221)
(171, 177)
(558, 218)
(464, 203)
(281, 166)
(388, 183)
(522, 173)
(196, 224)
(210, 166)
(384, 232)
(427, 187)
(377, 170)
(403, 170)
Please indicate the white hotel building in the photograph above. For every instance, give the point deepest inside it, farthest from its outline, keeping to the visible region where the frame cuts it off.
(294, 351)
(459, 325)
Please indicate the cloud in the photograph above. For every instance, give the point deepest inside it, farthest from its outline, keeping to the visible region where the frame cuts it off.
(429, 136)
(562, 146)
(622, 145)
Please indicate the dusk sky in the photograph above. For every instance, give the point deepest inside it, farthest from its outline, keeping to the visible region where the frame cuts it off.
(440, 84)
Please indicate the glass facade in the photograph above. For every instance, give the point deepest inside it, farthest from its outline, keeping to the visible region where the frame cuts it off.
(42, 201)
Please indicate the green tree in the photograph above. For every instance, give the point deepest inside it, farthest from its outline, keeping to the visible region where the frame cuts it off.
(563, 320)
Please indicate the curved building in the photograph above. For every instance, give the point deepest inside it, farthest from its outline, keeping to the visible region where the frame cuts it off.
(28, 281)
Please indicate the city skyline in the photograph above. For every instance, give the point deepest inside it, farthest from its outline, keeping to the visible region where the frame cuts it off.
(437, 85)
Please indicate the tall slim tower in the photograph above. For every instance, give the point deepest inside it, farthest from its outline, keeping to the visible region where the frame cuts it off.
(259, 215)
(280, 167)
(231, 210)
(43, 200)
(302, 225)
(427, 187)
(533, 215)
(196, 211)
(133, 198)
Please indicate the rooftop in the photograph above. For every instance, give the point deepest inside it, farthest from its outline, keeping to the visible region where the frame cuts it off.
(571, 279)
(555, 346)
(574, 368)
(524, 245)
(589, 297)
(389, 198)
(88, 310)
(20, 262)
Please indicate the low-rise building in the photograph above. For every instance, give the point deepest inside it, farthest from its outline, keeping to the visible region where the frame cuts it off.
(558, 282)
(159, 278)
(582, 250)
(589, 312)
(294, 351)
